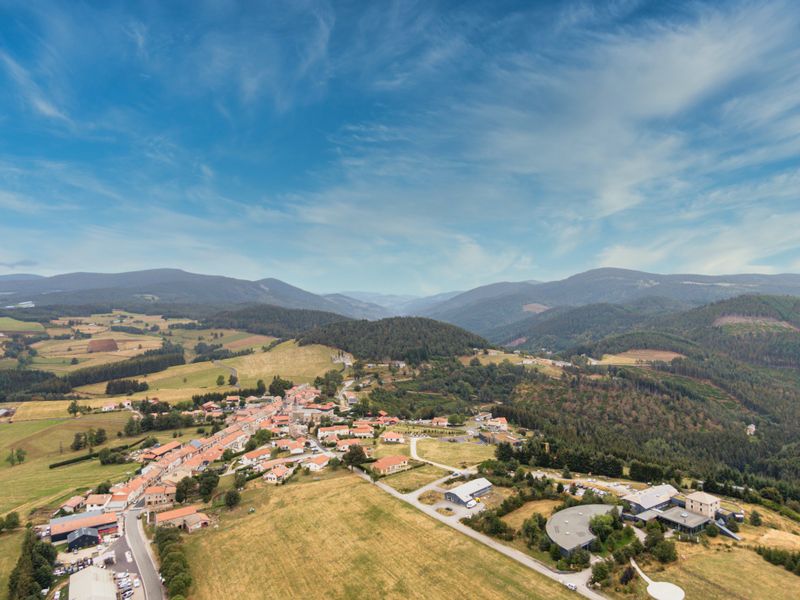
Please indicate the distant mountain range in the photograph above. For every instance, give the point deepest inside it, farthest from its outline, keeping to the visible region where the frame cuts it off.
(500, 311)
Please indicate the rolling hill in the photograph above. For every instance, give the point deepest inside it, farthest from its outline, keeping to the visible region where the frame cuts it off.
(398, 338)
(171, 286)
(483, 309)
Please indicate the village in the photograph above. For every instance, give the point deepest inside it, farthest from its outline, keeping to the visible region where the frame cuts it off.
(104, 545)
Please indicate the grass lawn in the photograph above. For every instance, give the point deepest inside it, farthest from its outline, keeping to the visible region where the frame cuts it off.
(454, 454)
(10, 544)
(32, 484)
(13, 325)
(722, 573)
(413, 479)
(517, 517)
(341, 537)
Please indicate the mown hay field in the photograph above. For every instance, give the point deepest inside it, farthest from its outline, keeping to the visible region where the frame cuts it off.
(413, 479)
(342, 537)
(7, 324)
(454, 454)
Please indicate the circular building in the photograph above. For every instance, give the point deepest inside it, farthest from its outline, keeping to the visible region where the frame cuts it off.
(569, 528)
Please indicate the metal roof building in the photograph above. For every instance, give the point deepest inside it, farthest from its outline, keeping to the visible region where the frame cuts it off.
(657, 496)
(92, 583)
(569, 528)
(469, 490)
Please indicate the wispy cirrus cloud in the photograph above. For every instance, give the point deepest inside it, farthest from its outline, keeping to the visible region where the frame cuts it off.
(405, 146)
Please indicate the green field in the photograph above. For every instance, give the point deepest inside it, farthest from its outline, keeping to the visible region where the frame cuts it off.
(33, 484)
(413, 479)
(342, 537)
(10, 544)
(454, 454)
(13, 325)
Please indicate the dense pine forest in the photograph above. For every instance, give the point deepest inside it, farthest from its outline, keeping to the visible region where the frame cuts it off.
(664, 419)
(412, 339)
(271, 320)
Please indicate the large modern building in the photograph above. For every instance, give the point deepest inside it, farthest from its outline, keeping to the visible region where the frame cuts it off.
(104, 523)
(683, 520)
(656, 497)
(569, 528)
(92, 583)
(703, 504)
(466, 493)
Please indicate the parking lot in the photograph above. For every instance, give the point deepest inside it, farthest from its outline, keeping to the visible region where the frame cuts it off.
(126, 575)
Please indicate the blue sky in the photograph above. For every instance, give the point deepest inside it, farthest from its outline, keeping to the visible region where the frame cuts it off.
(399, 147)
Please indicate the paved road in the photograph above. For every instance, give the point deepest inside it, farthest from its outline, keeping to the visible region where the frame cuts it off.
(579, 579)
(134, 535)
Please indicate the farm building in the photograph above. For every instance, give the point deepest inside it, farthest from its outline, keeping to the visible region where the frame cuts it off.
(83, 537)
(466, 493)
(101, 346)
(656, 497)
(92, 583)
(186, 518)
(569, 528)
(104, 523)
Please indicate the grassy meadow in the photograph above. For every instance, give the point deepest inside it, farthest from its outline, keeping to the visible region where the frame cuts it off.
(413, 479)
(342, 537)
(721, 572)
(32, 484)
(454, 454)
(9, 325)
(10, 544)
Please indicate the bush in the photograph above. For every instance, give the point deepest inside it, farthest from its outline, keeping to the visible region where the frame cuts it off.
(232, 498)
(755, 518)
(600, 572)
(665, 551)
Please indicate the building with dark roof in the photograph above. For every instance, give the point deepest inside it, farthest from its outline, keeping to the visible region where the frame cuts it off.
(569, 528)
(83, 537)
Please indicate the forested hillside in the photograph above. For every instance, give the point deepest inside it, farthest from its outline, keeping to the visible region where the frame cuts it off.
(668, 419)
(400, 338)
(272, 320)
(560, 328)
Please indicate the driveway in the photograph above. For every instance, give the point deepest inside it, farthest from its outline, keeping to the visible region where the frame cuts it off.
(580, 579)
(142, 554)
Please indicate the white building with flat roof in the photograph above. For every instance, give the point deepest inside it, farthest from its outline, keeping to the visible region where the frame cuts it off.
(92, 583)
